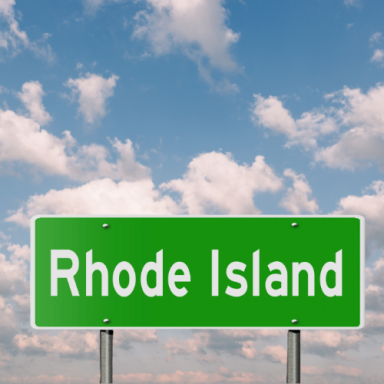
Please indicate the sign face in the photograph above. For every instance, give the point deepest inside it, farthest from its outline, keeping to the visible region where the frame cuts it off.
(197, 272)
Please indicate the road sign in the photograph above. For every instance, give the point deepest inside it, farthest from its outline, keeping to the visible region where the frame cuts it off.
(197, 272)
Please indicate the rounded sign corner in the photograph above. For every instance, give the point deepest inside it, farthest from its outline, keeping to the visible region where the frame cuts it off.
(362, 325)
(33, 325)
(34, 218)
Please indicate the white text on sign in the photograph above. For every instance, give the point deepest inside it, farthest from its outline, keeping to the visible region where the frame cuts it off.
(185, 277)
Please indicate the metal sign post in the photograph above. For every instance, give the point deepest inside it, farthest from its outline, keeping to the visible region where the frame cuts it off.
(293, 358)
(106, 352)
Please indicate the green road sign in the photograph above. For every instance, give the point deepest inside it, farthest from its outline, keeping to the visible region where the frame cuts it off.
(191, 272)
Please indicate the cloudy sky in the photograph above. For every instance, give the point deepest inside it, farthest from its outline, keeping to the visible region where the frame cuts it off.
(189, 107)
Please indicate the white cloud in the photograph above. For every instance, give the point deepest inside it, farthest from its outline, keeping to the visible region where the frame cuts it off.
(4, 360)
(98, 197)
(79, 344)
(215, 182)
(360, 145)
(66, 343)
(346, 371)
(124, 337)
(91, 6)
(197, 27)
(271, 114)
(297, 199)
(13, 274)
(222, 375)
(194, 346)
(374, 298)
(3, 236)
(206, 345)
(275, 353)
(359, 118)
(330, 342)
(23, 141)
(31, 95)
(45, 379)
(371, 206)
(93, 92)
(375, 38)
(8, 326)
(378, 56)
(19, 252)
(23, 302)
(12, 39)
(374, 320)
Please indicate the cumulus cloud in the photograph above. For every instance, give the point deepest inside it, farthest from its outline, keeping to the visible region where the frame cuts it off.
(206, 345)
(215, 182)
(325, 343)
(332, 370)
(270, 113)
(197, 27)
(374, 298)
(92, 92)
(222, 375)
(22, 302)
(8, 326)
(78, 344)
(23, 141)
(13, 274)
(31, 95)
(346, 371)
(276, 353)
(67, 344)
(371, 206)
(354, 124)
(19, 252)
(375, 38)
(93, 5)
(195, 346)
(124, 338)
(374, 321)
(297, 199)
(378, 56)
(4, 360)
(13, 39)
(45, 379)
(361, 145)
(98, 197)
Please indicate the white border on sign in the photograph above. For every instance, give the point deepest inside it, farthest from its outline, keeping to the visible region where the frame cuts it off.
(362, 268)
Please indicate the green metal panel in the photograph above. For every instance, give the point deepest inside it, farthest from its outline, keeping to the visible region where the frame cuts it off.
(190, 240)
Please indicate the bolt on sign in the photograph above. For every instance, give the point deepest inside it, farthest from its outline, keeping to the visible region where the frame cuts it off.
(197, 271)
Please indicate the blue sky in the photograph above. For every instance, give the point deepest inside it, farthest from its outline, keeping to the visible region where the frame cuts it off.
(189, 107)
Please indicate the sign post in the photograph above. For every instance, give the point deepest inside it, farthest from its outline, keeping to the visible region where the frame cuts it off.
(106, 356)
(293, 357)
(286, 272)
